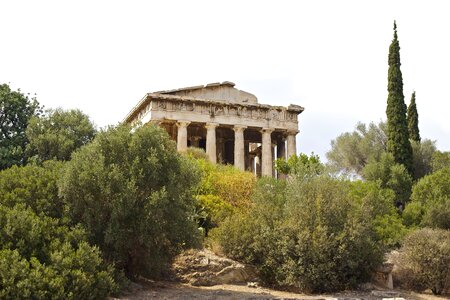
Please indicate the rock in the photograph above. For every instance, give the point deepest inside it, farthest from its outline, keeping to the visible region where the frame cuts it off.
(385, 294)
(204, 268)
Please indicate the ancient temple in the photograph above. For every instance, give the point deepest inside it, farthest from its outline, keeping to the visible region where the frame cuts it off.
(229, 124)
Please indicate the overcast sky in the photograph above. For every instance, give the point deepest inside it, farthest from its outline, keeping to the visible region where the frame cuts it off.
(327, 56)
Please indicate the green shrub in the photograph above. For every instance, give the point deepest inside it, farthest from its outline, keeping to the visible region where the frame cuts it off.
(430, 201)
(132, 192)
(222, 191)
(212, 210)
(40, 259)
(309, 232)
(33, 185)
(377, 201)
(230, 184)
(196, 153)
(425, 260)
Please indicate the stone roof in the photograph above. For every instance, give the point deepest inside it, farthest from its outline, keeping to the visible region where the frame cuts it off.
(197, 87)
(224, 92)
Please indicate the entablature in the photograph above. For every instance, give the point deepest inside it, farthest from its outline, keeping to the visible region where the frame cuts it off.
(172, 107)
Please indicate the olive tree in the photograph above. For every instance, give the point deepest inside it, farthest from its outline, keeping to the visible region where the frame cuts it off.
(57, 133)
(132, 191)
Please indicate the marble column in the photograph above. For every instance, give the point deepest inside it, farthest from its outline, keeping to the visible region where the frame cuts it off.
(291, 143)
(182, 136)
(239, 147)
(267, 162)
(211, 150)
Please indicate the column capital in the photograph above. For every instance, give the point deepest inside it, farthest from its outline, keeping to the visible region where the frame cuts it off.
(292, 132)
(239, 127)
(267, 130)
(183, 123)
(211, 125)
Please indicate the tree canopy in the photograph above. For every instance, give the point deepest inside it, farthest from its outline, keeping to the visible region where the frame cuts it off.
(16, 109)
(57, 133)
(351, 151)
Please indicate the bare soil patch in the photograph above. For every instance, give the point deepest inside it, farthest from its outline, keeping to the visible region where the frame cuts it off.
(174, 290)
(201, 274)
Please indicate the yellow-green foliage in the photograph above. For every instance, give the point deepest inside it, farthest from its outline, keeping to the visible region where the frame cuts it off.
(214, 207)
(222, 191)
(231, 185)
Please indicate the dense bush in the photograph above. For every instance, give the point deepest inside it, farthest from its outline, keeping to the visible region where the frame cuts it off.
(387, 222)
(310, 232)
(222, 191)
(132, 191)
(425, 260)
(225, 181)
(430, 201)
(33, 185)
(40, 259)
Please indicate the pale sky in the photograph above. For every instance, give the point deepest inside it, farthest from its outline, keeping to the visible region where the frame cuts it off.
(327, 56)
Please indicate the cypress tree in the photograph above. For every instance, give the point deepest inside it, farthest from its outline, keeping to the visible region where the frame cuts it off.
(413, 119)
(397, 126)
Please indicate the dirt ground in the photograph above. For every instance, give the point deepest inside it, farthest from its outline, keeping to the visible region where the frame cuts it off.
(173, 290)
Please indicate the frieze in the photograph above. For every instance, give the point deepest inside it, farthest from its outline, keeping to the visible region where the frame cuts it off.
(223, 109)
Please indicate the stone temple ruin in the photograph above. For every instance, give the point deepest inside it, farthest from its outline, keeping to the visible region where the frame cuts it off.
(229, 124)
